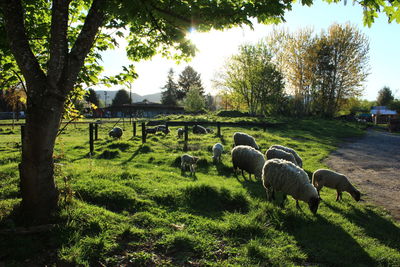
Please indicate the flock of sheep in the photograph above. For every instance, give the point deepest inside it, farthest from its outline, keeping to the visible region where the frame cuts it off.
(280, 169)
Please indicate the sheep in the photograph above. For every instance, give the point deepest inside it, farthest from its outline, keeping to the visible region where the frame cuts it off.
(248, 159)
(116, 132)
(335, 180)
(209, 130)
(150, 130)
(291, 151)
(188, 160)
(162, 128)
(274, 153)
(245, 139)
(180, 132)
(217, 150)
(198, 129)
(284, 176)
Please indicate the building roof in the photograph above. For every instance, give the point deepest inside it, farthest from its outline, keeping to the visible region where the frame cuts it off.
(382, 110)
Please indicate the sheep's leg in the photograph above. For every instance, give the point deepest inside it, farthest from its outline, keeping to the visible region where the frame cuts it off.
(243, 175)
(298, 205)
(283, 201)
(338, 195)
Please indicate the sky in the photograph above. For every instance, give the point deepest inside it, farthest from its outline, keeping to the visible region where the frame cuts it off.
(215, 47)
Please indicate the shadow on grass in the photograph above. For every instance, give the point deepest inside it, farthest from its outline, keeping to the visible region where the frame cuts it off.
(373, 224)
(223, 170)
(326, 243)
(139, 150)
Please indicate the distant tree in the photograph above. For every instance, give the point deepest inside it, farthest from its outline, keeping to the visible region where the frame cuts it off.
(395, 105)
(92, 97)
(187, 79)
(122, 97)
(385, 96)
(169, 95)
(194, 100)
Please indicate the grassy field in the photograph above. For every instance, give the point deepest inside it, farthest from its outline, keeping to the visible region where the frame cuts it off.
(130, 204)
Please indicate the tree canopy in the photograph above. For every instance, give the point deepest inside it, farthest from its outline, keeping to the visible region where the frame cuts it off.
(121, 98)
(169, 95)
(187, 79)
(385, 96)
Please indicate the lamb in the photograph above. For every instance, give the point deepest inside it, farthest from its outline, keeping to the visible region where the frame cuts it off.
(248, 159)
(162, 128)
(284, 176)
(198, 129)
(291, 151)
(180, 132)
(335, 180)
(274, 153)
(217, 150)
(209, 130)
(116, 132)
(245, 139)
(188, 160)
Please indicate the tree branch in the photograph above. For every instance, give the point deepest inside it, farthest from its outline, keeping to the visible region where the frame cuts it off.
(18, 40)
(94, 20)
(58, 40)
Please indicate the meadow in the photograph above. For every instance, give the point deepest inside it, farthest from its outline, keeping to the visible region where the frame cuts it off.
(130, 204)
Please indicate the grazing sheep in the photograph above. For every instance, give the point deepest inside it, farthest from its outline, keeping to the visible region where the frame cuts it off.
(274, 153)
(217, 150)
(291, 151)
(335, 180)
(245, 140)
(284, 176)
(198, 129)
(248, 159)
(150, 130)
(180, 132)
(162, 128)
(116, 132)
(209, 130)
(188, 160)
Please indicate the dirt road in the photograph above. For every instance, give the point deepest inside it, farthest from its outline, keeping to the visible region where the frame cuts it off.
(373, 165)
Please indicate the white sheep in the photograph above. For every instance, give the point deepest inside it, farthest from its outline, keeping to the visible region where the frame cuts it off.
(245, 140)
(116, 132)
(180, 132)
(248, 159)
(335, 180)
(188, 160)
(286, 177)
(291, 151)
(275, 153)
(217, 150)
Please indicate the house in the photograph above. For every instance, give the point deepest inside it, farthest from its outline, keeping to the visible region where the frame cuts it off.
(381, 114)
(144, 109)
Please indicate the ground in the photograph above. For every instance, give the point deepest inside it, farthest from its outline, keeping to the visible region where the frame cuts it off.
(372, 163)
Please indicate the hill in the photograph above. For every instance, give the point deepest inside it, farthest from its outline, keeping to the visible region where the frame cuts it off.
(156, 97)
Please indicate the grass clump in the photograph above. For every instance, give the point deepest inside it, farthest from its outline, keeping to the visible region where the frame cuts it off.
(109, 154)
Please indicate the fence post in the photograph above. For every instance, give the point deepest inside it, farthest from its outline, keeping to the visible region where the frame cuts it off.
(218, 129)
(185, 144)
(264, 127)
(91, 144)
(96, 131)
(134, 128)
(143, 132)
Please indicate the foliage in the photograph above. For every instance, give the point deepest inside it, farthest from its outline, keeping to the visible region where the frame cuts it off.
(92, 97)
(253, 78)
(121, 98)
(187, 79)
(169, 95)
(194, 100)
(395, 105)
(385, 96)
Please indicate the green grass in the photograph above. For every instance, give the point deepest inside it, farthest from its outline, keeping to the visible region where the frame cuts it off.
(130, 204)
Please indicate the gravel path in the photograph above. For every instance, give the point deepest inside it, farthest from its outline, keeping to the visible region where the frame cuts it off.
(373, 165)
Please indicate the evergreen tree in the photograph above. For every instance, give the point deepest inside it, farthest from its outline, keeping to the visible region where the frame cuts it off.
(169, 95)
(187, 79)
(92, 97)
(121, 98)
(385, 96)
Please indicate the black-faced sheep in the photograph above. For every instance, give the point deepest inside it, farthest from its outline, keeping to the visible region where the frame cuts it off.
(291, 151)
(180, 132)
(286, 177)
(116, 132)
(334, 180)
(198, 129)
(188, 160)
(217, 150)
(248, 159)
(245, 140)
(275, 153)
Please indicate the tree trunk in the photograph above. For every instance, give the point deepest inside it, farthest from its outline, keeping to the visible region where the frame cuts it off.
(39, 192)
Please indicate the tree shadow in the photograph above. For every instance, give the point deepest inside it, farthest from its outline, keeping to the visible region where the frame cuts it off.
(223, 169)
(373, 224)
(327, 242)
(140, 149)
